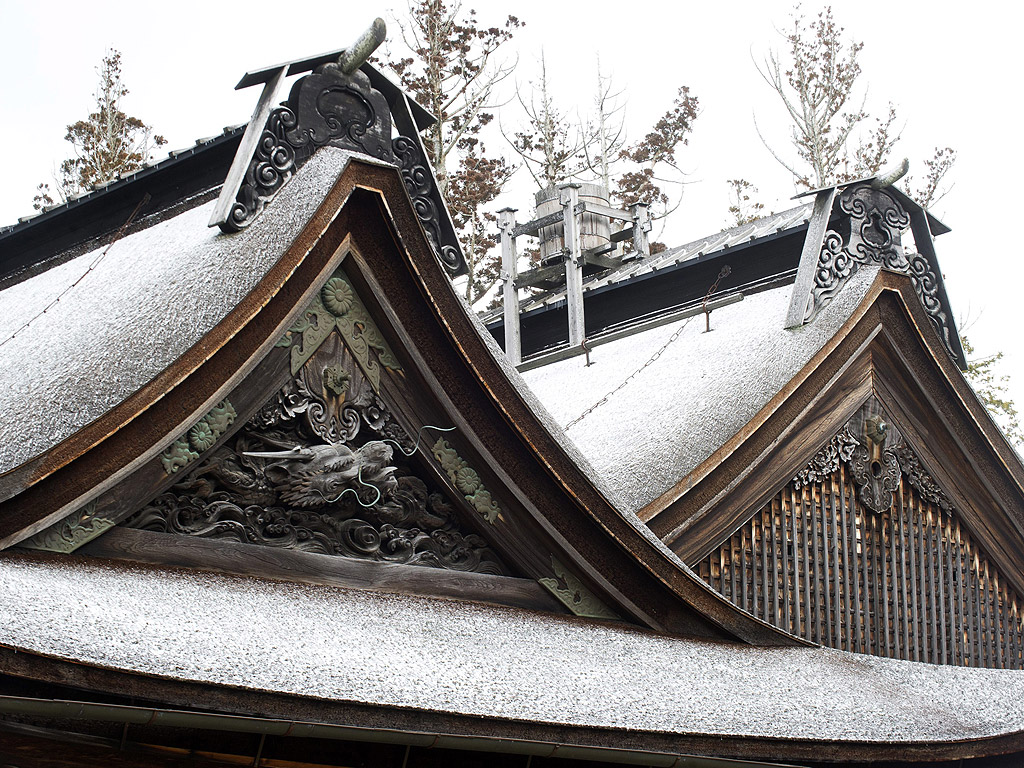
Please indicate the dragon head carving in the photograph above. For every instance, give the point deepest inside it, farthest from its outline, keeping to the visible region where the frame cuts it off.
(322, 474)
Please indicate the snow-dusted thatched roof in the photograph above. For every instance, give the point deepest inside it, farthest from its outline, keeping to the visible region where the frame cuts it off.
(677, 411)
(151, 296)
(457, 657)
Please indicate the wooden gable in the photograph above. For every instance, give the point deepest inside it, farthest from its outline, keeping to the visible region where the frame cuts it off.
(877, 508)
(358, 325)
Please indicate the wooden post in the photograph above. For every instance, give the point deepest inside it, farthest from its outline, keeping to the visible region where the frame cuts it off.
(569, 198)
(641, 226)
(510, 295)
(246, 148)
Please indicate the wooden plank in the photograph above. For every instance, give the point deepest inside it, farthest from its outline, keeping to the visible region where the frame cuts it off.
(809, 608)
(764, 563)
(940, 571)
(817, 523)
(883, 550)
(904, 592)
(915, 617)
(247, 147)
(837, 580)
(510, 293)
(585, 206)
(956, 617)
(744, 570)
(809, 257)
(307, 568)
(850, 590)
(778, 550)
(536, 225)
(790, 576)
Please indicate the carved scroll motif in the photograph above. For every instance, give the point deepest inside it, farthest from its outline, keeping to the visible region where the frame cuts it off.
(878, 459)
(325, 107)
(322, 467)
(419, 183)
(72, 532)
(869, 232)
(574, 595)
(826, 461)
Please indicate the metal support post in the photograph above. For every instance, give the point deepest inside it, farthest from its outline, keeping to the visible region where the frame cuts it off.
(509, 292)
(569, 198)
(641, 226)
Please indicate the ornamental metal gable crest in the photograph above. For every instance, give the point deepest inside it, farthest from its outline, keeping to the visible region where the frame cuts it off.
(863, 224)
(344, 102)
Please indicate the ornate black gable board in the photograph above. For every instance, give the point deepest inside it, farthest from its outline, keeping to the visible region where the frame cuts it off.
(864, 225)
(326, 107)
(344, 103)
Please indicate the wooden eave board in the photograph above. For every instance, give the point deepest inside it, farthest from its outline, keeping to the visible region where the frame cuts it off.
(887, 349)
(552, 510)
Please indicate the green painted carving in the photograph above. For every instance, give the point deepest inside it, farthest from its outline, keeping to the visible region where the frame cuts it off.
(201, 437)
(72, 532)
(466, 480)
(338, 306)
(571, 592)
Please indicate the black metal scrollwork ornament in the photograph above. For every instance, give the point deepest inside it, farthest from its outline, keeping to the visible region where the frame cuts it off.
(325, 107)
(419, 183)
(869, 232)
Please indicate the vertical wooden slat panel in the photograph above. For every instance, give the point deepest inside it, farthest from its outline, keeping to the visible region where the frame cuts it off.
(792, 569)
(901, 539)
(907, 583)
(928, 519)
(849, 550)
(883, 551)
(778, 562)
(940, 571)
(765, 613)
(808, 609)
(743, 570)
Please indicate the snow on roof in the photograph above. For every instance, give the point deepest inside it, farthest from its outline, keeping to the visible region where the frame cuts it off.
(703, 389)
(466, 658)
(153, 295)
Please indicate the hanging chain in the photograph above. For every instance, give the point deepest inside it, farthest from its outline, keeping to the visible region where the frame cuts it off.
(725, 271)
(95, 263)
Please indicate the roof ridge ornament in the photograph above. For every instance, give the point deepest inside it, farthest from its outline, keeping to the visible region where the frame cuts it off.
(345, 102)
(859, 224)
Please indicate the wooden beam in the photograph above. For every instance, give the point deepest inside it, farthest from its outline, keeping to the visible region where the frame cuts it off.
(309, 568)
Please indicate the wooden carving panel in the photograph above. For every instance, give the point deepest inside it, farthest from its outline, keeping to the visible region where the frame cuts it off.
(826, 561)
(322, 467)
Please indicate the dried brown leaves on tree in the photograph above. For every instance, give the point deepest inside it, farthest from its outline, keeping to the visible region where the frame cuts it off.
(992, 389)
(744, 208)
(816, 80)
(106, 144)
(452, 71)
(654, 156)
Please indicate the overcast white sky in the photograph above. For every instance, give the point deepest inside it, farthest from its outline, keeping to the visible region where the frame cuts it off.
(952, 71)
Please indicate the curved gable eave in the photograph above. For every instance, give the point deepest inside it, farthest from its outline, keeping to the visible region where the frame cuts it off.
(42, 490)
(888, 350)
(407, 291)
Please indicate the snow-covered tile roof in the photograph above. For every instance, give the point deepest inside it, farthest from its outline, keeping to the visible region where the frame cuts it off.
(459, 657)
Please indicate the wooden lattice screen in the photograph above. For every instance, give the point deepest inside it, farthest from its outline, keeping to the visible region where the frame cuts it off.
(909, 582)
